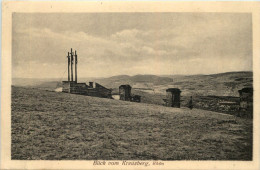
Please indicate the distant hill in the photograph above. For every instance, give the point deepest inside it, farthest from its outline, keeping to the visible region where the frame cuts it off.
(138, 81)
(47, 84)
(222, 84)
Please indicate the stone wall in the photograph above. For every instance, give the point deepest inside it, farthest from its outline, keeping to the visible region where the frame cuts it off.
(84, 89)
(66, 86)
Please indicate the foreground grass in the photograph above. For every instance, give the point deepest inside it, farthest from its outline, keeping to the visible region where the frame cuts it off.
(54, 126)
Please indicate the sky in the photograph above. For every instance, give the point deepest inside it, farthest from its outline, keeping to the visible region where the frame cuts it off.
(110, 44)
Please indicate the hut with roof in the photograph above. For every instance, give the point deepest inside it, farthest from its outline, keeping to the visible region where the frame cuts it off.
(125, 92)
(246, 99)
(173, 97)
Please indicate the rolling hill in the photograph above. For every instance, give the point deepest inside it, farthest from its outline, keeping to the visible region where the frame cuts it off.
(223, 84)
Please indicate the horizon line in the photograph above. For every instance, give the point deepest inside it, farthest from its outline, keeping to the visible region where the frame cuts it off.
(133, 75)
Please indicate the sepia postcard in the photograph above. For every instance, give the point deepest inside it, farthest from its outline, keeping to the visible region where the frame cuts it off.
(130, 85)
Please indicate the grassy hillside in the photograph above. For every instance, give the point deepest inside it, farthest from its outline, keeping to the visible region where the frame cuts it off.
(53, 126)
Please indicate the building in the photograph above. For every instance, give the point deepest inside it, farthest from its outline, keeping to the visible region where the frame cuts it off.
(125, 92)
(72, 86)
(84, 89)
(246, 99)
(173, 97)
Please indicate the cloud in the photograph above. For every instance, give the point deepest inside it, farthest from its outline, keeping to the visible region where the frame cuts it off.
(187, 48)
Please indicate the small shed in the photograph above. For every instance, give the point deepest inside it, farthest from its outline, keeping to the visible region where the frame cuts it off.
(173, 96)
(125, 92)
(246, 99)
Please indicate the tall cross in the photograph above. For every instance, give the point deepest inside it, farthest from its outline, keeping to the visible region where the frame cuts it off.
(68, 66)
(71, 54)
(76, 63)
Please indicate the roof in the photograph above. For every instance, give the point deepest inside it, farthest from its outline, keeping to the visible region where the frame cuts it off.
(246, 90)
(173, 90)
(125, 86)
